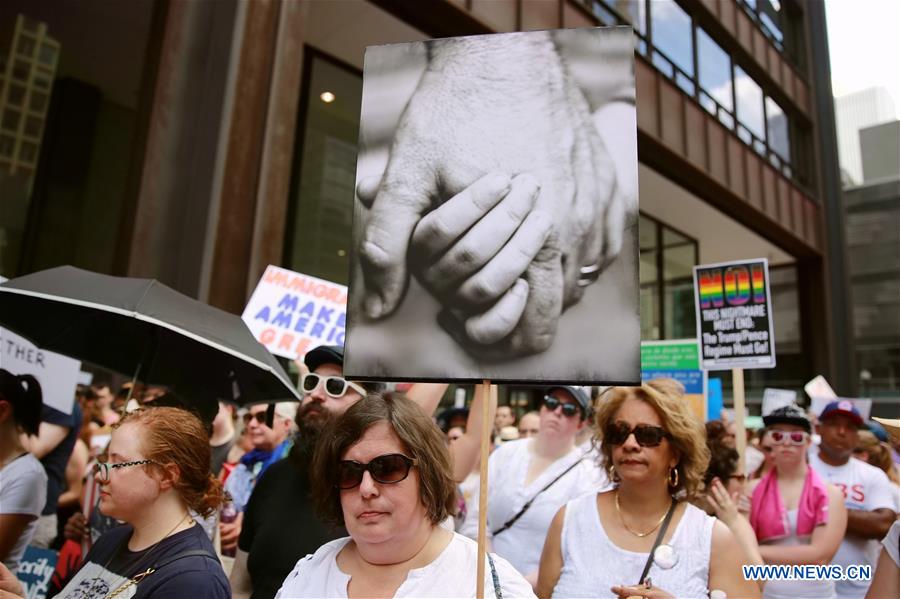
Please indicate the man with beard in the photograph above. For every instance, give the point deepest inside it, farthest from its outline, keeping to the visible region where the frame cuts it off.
(279, 524)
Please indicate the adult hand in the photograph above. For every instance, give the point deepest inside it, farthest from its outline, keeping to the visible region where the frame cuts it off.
(639, 590)
(76, 527)
(229, 532)
(455, 130)
(9, 584)
(724, 505)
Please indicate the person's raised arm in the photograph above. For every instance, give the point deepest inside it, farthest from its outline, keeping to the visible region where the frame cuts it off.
(466, 449)
(427, 395)
(886, 582)
(12, 526)
(48, 437)
(823, 543)
(725, 563)
(726, 510)
(551, 557)
(241, 586)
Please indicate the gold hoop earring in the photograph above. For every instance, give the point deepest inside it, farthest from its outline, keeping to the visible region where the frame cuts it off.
(613, 475)
(673, 483)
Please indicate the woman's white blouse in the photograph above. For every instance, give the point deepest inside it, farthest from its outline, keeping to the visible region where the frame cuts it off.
(451, 574)
(522, 543)
(593, 564)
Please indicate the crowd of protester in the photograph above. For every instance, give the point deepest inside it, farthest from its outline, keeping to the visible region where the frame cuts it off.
(361, 492)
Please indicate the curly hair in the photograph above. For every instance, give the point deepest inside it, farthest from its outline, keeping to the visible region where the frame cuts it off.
(175, 436)
(688, 437)
(422, 440)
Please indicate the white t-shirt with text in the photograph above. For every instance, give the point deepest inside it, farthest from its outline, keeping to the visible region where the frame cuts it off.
(865, 488)
(23, 490)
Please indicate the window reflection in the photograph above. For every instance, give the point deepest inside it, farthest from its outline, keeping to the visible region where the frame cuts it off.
(667, 295)
(714, 67)
(650, 300)
(671, 33)
(776, 121)
(321, 213)
(749, 104)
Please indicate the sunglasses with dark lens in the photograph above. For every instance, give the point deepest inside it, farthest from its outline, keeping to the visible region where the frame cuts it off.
(646, 435)
(260, 417)
(335, 386)
(385, 469)
(788, 438)
(568, 409)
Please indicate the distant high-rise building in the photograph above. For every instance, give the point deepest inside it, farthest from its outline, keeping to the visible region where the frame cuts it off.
(856, 111)
(880, 148)
(26, 78)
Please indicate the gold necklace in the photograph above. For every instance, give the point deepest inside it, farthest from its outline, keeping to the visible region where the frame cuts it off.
(133, 581)
(637, 534)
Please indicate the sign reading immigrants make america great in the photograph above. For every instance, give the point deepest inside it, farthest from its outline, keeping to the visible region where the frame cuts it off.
(495, 223)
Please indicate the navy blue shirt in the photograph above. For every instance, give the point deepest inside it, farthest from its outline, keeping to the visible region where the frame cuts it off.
(110, 564)
(56, 460)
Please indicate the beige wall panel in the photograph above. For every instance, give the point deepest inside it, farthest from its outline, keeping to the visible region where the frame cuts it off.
(499, 16)
(744, 30)
(671, 116)
(695, 119)
(726, 15)
(770, 192)
(799, 224)
(785, 216)
(715, 139)
(760, 48)
(574, 17)
(754, 179)
(647, 98)
(736, 169)
(540, 14)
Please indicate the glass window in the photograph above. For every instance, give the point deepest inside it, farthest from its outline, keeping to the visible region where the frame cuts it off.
(749, 104)
(7, 145)
(714, 67)
(27, 152)
(48, 54)
(671, 34)
(11, 119)
(38, 101)
(33, 126)
(20, 71)
(41, 81)
(679, 258)
(15, 95)
(650, 300)
(26, 46)
(777, 124)
(321, 213)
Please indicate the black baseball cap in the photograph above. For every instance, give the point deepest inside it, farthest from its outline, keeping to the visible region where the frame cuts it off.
(324, 354)
(789, 414)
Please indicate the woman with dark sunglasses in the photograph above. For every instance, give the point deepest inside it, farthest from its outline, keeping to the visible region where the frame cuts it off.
(531, 479)
(382, 470)
(798, 518)
(602, 544)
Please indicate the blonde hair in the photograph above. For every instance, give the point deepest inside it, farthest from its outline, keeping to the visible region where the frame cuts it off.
(687, 434)
(879, 454)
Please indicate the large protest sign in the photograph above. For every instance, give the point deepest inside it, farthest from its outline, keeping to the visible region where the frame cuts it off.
(290, 313)
(677, 359)
(495, 228)
(734, 321)
(57, 374)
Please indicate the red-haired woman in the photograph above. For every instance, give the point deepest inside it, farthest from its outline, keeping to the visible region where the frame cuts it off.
(157, 470)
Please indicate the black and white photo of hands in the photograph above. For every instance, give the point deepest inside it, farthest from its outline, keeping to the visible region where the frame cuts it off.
(498, 196)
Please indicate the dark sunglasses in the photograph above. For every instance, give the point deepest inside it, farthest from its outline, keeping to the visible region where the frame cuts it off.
(385, 469)
(568, 409)
(646, 435)
(259, 416)
(335, 386)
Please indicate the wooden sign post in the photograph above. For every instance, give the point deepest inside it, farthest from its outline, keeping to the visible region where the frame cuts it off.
(740, 434)
(488, 406)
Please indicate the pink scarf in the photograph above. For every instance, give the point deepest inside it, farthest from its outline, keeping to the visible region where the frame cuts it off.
(768, 516)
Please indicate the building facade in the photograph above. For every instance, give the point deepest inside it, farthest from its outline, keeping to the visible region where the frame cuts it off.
(237, 129)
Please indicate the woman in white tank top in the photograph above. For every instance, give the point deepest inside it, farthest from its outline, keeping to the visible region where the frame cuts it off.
(599, 544)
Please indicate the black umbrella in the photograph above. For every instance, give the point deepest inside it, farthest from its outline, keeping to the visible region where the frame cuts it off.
(142, 328)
